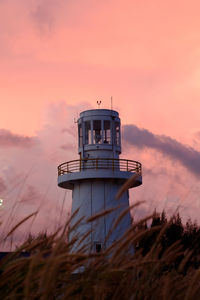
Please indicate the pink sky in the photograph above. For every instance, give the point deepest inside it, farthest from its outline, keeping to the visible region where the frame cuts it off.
(59, 57)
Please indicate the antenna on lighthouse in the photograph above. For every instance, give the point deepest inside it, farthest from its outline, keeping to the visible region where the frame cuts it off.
(99, 103)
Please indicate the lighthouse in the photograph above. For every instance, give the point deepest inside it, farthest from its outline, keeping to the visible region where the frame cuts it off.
(96, 177)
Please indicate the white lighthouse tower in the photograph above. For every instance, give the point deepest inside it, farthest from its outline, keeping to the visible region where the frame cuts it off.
(97, 176)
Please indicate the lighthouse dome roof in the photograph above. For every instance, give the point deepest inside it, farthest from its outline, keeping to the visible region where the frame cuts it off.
(99, 112)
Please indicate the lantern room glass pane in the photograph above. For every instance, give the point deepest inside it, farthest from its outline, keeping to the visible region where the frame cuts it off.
(97, 132)
(117, 134)
(87, 132)
(107, 132)
(80, 134)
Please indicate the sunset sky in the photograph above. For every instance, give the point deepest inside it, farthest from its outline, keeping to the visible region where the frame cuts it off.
(59, 57)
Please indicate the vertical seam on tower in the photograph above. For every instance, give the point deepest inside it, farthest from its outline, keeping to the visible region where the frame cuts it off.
(104, 209)
(91, 215)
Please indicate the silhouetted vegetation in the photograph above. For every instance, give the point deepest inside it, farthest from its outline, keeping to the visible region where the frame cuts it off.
(172, 233)
(165, 265)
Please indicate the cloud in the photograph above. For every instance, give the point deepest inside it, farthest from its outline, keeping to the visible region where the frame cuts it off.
(43, 18)
(44, 15)
(29, 173)
(31, 195)
(2, 185)
(9, 139)
(143, 138)
(28, 166)
(197, 135)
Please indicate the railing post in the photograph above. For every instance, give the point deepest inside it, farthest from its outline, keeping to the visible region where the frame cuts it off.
(96, 163)
(113, 167)
(80, 165)
(67, 167)
(137, 168)
(127, 165)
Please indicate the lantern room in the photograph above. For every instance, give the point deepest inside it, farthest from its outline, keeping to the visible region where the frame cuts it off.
(99, 134)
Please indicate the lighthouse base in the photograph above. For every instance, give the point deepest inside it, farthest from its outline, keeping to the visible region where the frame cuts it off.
(89, 198)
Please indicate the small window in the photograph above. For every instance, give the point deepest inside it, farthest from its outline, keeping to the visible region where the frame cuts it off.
(98, 247)
(107, 132)
(87, 132)
(80, 134)
(117, 134)
(97, 132)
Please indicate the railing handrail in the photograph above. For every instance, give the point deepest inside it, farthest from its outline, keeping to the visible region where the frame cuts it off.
(100, 158)
(78, 165)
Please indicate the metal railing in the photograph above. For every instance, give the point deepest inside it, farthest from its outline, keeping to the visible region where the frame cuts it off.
(113, 164)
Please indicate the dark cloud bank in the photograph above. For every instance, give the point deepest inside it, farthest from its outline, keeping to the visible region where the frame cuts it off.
(142, 138)
(8, 139)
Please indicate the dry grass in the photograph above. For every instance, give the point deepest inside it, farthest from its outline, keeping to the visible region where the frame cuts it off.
(50, 272)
